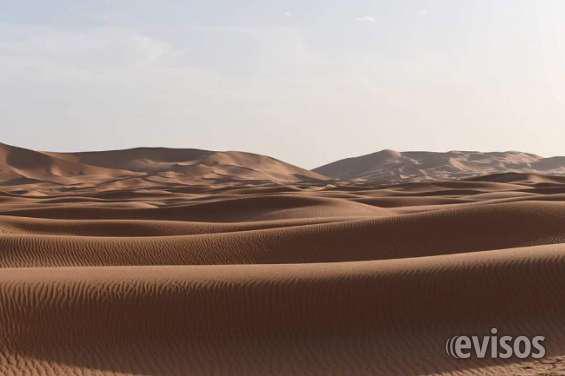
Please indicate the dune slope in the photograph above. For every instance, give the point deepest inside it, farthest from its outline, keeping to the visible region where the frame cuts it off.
(389, 166)
(118, 266)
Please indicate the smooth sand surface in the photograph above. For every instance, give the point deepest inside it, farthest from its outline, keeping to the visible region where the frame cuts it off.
(272, 277)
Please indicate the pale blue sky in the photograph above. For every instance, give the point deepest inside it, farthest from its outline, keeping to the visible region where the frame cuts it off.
(308, 82)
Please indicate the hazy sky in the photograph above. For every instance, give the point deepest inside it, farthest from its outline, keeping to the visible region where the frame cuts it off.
(306, 81)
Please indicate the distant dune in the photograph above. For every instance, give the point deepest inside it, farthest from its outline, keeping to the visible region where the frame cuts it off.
(190, 262)
(388, 166)
(143, 168)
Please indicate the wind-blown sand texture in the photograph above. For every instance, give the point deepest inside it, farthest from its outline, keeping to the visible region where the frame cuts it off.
(144, 275)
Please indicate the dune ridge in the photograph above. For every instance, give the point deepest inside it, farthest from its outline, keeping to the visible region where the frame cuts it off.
(389, 166)
(183, 261)
(140, 168)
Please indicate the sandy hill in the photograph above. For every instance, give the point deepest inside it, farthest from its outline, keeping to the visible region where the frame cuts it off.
(196, 164)
(271, 279)
(144, 167)
(192, 262)
(388, 166)
(19, 165)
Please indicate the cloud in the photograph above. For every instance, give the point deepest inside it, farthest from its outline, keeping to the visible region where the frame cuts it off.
(423, 12)
(94, 48)
(288, 13)
(366, 19)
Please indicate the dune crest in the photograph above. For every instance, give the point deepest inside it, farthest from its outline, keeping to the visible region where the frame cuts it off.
(190, 262)
(142, 168)
(388, 166)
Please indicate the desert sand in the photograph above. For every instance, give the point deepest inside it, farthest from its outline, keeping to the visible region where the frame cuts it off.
(190, 262)
(390, 166)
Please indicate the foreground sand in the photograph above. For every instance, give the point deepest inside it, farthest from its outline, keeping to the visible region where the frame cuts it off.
(280, 279)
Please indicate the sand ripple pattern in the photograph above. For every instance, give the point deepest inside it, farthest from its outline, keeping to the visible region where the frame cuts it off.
(280, 279)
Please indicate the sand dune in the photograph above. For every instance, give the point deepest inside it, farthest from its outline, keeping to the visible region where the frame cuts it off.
(395, 237)
(21, 166)
(389, 166)
(374, 317)
(191, 262)
(45, 173)
(239, 209)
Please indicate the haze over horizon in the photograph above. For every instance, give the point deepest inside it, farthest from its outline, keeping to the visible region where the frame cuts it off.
(305, 82)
